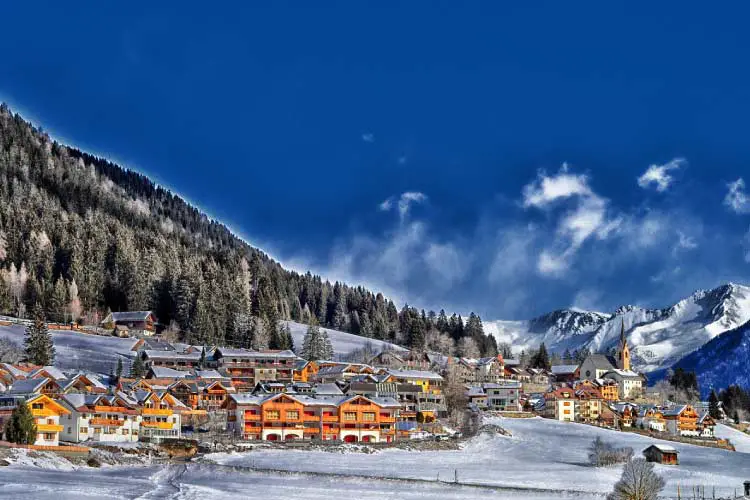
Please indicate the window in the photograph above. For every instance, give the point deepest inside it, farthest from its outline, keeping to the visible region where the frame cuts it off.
(70, 430)
(272, 414)
(350, 416)
(368, 417)
(51, 421)
(125, 432)
(49, 436)
(292, 415)
(37, 406)
(84, 430)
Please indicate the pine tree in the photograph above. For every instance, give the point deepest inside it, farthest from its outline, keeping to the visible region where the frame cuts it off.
(21, 427)
(138, 368)
(326, 348)
(541, 358)
(316, 344)
(40, 349)
(118, 372)
(202, 360)
(713, 405)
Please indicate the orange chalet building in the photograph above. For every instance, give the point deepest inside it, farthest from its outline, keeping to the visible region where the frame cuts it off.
(286, 417)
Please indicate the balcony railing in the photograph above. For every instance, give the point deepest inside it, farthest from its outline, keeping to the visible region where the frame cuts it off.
(105, 421)
(44, 412)
(157, 411)
(157, 425)
(330, 418)
(252, 416)
(49, 428)
(109, 409)
(311, 418)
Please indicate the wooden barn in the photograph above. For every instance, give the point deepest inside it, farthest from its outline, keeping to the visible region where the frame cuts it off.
(661, 454)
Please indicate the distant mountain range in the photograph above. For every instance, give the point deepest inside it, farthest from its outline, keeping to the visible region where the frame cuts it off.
(705, 331)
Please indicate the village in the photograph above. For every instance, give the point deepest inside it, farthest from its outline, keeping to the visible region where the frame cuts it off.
(182, 392)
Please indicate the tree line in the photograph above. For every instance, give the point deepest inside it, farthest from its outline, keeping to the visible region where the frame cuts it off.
(81, 236)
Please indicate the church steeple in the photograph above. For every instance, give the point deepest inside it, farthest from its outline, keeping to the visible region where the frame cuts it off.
(623, 356)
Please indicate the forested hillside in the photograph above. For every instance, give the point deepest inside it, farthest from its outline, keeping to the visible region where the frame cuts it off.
(81, 236)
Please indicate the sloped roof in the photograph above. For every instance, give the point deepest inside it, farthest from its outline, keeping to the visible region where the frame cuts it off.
(28, 386)
(415, 374)
(564, 369)
(53, 372)
(663, 448)
(131, 316)
(328, 390)
(173, 355)
(601, 362)
(164, 372)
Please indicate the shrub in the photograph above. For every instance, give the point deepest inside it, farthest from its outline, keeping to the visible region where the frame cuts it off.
(602, 453)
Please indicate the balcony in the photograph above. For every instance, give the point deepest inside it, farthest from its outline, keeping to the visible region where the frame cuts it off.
(157, 425)
(311, 418)
(387, 419)
(157, 411)
(109, 409)
(311, 430)
(253, 417)
(44, 412)
(330, 418)
(106, 421)
(49, 428)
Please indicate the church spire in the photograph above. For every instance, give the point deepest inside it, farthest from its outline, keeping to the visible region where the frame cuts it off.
(623, 358)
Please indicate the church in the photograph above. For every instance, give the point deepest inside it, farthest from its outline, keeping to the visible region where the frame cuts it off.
(617, 368)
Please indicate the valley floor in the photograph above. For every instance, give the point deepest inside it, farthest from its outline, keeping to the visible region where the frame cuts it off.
(543, 459)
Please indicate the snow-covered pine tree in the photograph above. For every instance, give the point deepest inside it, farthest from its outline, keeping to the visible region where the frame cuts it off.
(40, 349)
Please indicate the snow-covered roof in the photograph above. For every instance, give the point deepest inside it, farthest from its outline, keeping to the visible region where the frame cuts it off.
(328, 390)
(173, 355)
(208, 374)
(16, 372)
(130, 316)
(415, 374)
(28, 386)
(623, 373)
(564, 369)
(509, 384)
(664, 448)
(164, 372)
(53, 372)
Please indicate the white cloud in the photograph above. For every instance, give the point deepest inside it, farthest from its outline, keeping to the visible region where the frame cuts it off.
(588, 299)
(407, 199)
(736, 199)
(659, 176)
(368, 137)
(546, 190)
(685, 242)
(513, 258)
(588, 219)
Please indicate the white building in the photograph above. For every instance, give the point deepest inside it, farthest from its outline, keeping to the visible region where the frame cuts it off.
(100, 418)
(630, 383)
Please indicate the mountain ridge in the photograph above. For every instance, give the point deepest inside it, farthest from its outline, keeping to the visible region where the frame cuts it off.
(659, 338)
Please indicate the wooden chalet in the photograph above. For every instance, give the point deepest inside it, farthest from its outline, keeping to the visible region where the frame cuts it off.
(661, 454)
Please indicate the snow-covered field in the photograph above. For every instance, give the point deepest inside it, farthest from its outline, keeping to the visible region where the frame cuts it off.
(99, 354)
(75, 350)
(343, 343)
(542, 454)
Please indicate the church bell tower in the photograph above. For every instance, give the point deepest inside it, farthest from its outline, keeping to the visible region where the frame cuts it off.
(623, 355)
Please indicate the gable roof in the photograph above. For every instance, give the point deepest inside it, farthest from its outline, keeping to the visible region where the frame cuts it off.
(564, 369)
(415, 374)
(29, 385)
(601, 362)
(44, 371)
(130, 316)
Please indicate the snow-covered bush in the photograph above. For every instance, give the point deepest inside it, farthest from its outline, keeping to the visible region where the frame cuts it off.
(602, 453)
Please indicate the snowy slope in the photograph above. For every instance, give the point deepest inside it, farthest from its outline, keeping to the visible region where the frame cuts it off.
(75, 350)
(343, 343)
(541, 453)
(723, 361)
(99, 354)
(658, 337)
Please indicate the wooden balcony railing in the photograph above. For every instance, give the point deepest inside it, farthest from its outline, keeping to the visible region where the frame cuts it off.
(157, 411)
(44, 412)
(49, 428)
(158, 425)
(106, 421)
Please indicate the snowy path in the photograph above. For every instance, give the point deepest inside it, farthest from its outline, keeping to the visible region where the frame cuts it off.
(740, 440)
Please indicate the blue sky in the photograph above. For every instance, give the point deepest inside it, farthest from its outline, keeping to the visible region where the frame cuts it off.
(479, 157)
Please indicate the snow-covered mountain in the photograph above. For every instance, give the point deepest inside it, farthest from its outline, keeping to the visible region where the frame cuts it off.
(723, 361)
(658, 337)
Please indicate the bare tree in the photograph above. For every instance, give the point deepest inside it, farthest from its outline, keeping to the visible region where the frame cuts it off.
(638, 482)
(438, 342)
(467, 348)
